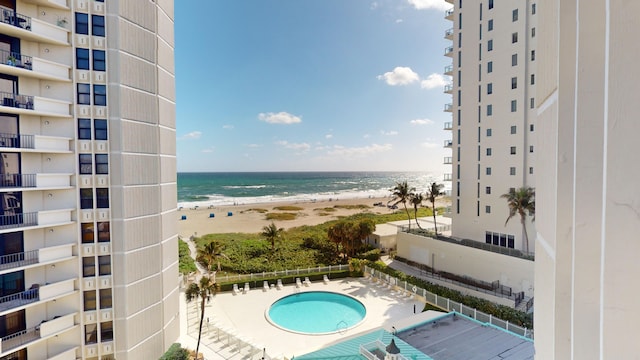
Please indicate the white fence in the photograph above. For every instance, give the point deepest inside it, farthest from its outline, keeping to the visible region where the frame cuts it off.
(276, 274)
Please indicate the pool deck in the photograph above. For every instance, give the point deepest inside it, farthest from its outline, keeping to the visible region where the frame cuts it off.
(244, 315)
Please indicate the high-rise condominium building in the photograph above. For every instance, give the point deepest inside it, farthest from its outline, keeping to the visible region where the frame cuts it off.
(493, 116)
(587, 185)
(88, 261)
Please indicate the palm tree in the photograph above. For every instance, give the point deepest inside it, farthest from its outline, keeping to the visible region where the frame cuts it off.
(433, 192)
(401, 193)
(203, 290)
(416, 199)
(209, 255)
(521, 201)
(337, 234)
(272, 233)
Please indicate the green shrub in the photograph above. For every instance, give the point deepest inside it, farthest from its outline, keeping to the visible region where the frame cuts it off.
(175, 352)
(281, 216)
(186, 264)
(290, 279)
(288, 208)
(371, 255)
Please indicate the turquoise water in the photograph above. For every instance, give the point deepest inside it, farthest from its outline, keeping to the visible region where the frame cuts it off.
(316, 312)
(204, 189)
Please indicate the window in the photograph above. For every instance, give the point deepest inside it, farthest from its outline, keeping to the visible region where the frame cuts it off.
(488, 171)
(514, 82)
(531, 127)
(514, 60)
(490, 4)
(488, 151)
(479, 51)
(84, 94)
(488, 132)
(105, 265)
(533, 32)
(85, 164)
(459, 58)
(459, 97)
(490, 25)
(102, 198)
(102, 164)
(459, 76)
(510, 241)
(100, 95)
(489, 110)
(460, 4)
(489, 88)
(512, 170)
(514, 15)
(106, 331)
(514, 105)
(82, 23)
(533, 79)
(531, 170)
(105, 298)
(103, 232)
(97, 25)
(100, 129)
(490, 67)
(457, 206)
(514, 128)
(480, 32)
(530, 148)
(514, 38)
(86, 198)
(82, 59)
(513, 150)
(533, 103)
(490, 45)
(459, 20)
(87, 233)
(89, 300)
(487, 209)
(533, 9)
(99, 62)
(90, 334)
(88, 266)
(84, 129)
(459, 39)
(487, 190)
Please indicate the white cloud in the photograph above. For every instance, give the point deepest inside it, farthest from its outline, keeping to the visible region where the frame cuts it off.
(254, 145)
(227, 127)
(279, 118)
(433, 81)
(359, 151)
(389, 133)
(366, 136)
(430, 4)
(302, 147)
(429, 145)
(207, 150)
(328, 136)
(192, 135)
(374, 5)
(398, 21)
(421, 122)
(399, 76)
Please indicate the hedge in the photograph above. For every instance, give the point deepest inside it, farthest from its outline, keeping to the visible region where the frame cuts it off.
(175, 352)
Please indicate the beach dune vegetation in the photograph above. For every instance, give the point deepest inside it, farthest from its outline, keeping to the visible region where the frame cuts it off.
(281, 216)
(288, 208)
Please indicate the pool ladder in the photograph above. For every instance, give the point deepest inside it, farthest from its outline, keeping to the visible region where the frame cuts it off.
(342, 326)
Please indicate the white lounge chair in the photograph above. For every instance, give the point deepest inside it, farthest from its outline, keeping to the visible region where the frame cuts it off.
(246, 288)
(279, 284)
(265, 286)
(298, 283)
(307, 282)
(235, 289)
(325, 279)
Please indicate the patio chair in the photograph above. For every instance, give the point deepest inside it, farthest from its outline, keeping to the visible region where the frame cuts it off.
(307, 282)
(265, 286)
(246, 288)
(325, 279)
(279, 285)
(298, 283)
(235, 289)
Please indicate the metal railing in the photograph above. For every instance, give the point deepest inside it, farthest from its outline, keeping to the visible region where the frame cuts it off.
(17, 141)
(448, 32)
(448, 88)
(448, 107)
(18, 180)
(19, 299)
(448, 13)
(448, 50)
(11, 261)
(19, 338)
(448, 160)
(448, 69)
(448, 143)
(11, 17)
(450, 305)
(447, 177)
(18, 220)
(529, 305)
(448, 125)
(15, 59)
(16, 100)
(275, 274)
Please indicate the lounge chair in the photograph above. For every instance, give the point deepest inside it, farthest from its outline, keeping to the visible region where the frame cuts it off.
(279, 284)
(307, 282)
(246, 288)
(235, 289)
(325, 279)
(298, 283)
(265, 286)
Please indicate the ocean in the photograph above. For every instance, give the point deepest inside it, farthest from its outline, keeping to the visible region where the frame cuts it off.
(222, 188)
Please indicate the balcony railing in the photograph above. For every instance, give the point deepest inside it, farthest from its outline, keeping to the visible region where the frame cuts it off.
(448, 160)
(11, 17)
(16, 100)
(448, 126)
(16, 141)
(449, 14)
(447, 177)
(448, 50)
(448, 107)
(448, 143)
(448, 33)
(19, 299)
(17, 180)
(18, 220)
(17, 339)
(15, 59)
(18, 259)
(448, 70)
(448, 89)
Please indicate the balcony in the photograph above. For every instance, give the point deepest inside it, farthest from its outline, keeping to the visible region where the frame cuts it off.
(33, 143)
(37, 293)
(34, 181)
(448, 143)
(448, 160)
(448, 107)
(17, 64)
(56, 4)
(448, 126)
(36, 257)
(448, 89)
(447, 177)
(449, 14)
(448, 34)
(24, 27)
(37, 219)
(46, 329)
(448, 51)
(448, 70)
(33, 105)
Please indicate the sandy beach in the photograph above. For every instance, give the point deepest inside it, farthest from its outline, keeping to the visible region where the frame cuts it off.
(243, 219)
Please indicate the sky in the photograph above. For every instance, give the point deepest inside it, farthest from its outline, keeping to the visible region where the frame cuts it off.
(313, 85)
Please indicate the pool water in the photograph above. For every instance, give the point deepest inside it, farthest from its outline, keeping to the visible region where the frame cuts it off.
(316, 312)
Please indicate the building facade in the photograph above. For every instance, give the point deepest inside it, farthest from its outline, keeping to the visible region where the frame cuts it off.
(88, 231)
(493, 123)
(588, 195)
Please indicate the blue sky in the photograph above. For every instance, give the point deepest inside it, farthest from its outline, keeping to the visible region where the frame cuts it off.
(313, 85)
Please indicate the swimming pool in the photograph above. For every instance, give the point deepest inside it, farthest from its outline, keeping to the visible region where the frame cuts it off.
(316, 312)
